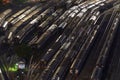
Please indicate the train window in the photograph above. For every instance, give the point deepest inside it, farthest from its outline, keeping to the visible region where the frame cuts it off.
(20, 17)
(72, 14)
(80, 5)
(83, 6)
(32, 22)
(91, 6)
(102, 4)
(93, 18)
(62, 17)
(73, 8)
(50, 49)
(5, 24)
(97, 13)
(10, 34)
(14, 21)
(76, 11)
(84, 10)
(62, 25)
(97, 3)
(67, 45)
(52, 27)
(54, 14)
(69, 11)
(80, 14)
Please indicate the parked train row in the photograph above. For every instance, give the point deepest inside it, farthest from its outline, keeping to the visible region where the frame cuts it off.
(112, 26)
(62, 61)
(99, 54)
(64, 38)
